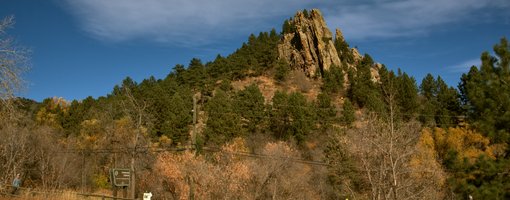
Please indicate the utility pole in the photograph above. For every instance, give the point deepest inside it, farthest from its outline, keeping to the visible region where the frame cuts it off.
(194, 133)
(82, 172)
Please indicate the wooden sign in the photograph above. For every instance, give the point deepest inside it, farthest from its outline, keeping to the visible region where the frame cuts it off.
(120, 177)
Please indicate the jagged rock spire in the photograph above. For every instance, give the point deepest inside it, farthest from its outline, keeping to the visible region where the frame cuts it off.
(308, 44)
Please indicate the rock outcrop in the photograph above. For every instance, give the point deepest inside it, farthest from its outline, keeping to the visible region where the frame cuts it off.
(307, 44)
(374, 72)
(352, 52)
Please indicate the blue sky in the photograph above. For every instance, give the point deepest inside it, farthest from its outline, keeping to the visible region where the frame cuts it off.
(83, 48)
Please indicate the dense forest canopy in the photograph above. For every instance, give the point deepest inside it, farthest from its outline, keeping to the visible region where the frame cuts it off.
(356, 136)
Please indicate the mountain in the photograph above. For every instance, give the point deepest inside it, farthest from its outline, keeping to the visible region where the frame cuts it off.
(291, 115)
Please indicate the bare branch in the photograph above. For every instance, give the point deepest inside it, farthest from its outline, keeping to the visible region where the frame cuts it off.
(13, 63)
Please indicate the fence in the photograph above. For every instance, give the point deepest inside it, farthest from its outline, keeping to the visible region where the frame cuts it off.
(35, 194)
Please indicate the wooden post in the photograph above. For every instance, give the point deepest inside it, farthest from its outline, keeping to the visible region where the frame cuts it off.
(124, 192)
(191, 192)
(114, 188)
(194, 133)
(82, 172)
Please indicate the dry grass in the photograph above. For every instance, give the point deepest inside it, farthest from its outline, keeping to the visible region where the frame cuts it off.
(267, 85)
(34, 194)
(296, 81)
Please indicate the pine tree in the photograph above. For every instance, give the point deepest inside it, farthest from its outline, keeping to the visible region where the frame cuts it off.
(363, 91)
(486, 93)
(301, 116)
(333, 80)
(223, 123)
(440, 103)
(428, 87)
(343, 51)
(448, 104)
(348, 113)
(325, 111)
(286, 27)
(196, 75)
(305, 13)
(407, 96)
(291, 116)
(280, 115)
(177, 119)
(249, 103)
(428, 91)
(282, 70)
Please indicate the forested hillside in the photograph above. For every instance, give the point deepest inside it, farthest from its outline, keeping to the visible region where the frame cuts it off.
(282, 118)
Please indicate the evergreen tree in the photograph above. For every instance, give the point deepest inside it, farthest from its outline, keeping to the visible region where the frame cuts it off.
(305, 13)
(196, 75)
(486, 93)
(407, 96)
(448, 104)
(325, 111)
(280, 115)
(179, 74)
(482, 180)
(250, 105)
(363, 89)
(287, 27)
(282, 70)
(177, 119)
(348, 113)
(219, 68)
(301, 116)
(343, 51)
(223, 123)
(440, 103)
(333, 80)
(343, 172)
(129, 83)
(428, 91)
(428, 88)
(291, 116)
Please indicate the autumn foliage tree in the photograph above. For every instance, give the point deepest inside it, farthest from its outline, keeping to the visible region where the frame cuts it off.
(233, 174)
(473, 164)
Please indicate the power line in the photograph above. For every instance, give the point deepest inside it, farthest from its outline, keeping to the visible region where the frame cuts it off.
(120, 150)
(256, 155)
(270, 107)
(209, 149)
(336, 121)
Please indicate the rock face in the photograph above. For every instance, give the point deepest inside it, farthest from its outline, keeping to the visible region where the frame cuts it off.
(374, 72)
(308, 44)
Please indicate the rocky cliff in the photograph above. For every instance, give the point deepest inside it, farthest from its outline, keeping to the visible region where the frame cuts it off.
(351, 56)
(307, 43)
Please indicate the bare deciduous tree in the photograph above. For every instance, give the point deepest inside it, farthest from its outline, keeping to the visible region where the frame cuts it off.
(13, 63)
(385, 148)
(136, 110)
(384, 153)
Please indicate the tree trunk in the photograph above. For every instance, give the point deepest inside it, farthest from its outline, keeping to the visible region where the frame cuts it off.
(132, 188)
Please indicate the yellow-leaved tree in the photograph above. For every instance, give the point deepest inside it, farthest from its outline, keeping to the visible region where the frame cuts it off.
(467, 143)
(426, 168)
